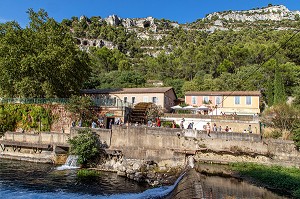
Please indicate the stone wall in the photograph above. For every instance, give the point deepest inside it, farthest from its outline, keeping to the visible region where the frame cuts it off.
(162, 144)
(172, 146)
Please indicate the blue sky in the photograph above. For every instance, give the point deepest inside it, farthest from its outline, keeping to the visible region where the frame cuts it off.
(181, 11)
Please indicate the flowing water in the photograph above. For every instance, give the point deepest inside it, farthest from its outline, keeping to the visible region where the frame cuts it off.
(71, 163)
(25, 180)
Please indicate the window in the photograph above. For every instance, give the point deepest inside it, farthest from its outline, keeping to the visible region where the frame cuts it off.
(205, 100)
(132, 100)
(237, 100)
(218, 100)
(145, 99)
(194, 100)
(248, 100)
(154, 100)
(125, 99)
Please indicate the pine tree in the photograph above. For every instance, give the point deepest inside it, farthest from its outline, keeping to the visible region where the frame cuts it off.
(270, 94)
(279, 90)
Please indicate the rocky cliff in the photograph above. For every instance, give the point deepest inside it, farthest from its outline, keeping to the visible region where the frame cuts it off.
(150, 30)
(273, 13)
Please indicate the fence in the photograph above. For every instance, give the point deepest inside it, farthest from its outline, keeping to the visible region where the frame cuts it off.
(34, 100)
(214, 117)
(111, 102)
(98, 102)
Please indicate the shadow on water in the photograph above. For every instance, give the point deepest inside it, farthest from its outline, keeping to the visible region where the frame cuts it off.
(33, 180)
(45, 178)
(215, 186)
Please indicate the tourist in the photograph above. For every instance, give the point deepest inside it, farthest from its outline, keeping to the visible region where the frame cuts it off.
(229, 130)
(208, 129)
(93, 124)
(249, 129)
(149, 123)
(158, 122)
(215, 127)
(173, 124)
(244, 131)
(110, 124)
(220, 128)
(181, 124)
(80, 123)
(226, 129)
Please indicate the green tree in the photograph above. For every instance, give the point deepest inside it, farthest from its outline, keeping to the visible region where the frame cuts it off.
(279, 91)
(81, 108)
(281, 116)
(41, 60)
(87, 146)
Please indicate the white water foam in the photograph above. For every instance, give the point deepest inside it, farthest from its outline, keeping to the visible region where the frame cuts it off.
(191, 161)
(71, 163)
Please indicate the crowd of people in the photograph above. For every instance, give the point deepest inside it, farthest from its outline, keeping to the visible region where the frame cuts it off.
(157, 123)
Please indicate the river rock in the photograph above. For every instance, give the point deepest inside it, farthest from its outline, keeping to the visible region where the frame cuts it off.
(130, 176)
(117, 165)
(121, 173)
(151, 175)
(136, 166)
(130, 171)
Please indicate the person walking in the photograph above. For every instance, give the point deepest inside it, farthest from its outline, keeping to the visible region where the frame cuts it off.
(208, 129)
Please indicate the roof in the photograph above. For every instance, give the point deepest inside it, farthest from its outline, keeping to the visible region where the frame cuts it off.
(223, 93)
(128, 90)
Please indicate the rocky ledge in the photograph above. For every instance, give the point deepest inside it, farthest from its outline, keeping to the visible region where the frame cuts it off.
(142, 171)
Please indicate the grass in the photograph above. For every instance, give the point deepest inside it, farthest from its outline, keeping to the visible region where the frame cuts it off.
(87, 174)
(274, 177)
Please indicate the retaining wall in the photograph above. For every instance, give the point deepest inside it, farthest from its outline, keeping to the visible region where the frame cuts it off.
(164, 144)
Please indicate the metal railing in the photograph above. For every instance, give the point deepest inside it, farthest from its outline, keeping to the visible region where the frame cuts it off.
(98, 102)
(110, 102)
(34, 100)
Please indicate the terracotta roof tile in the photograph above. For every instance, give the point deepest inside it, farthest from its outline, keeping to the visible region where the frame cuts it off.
(127, 90)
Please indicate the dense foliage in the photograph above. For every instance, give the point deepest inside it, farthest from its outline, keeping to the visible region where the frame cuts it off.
(81, 109)
(283, 118)
(190, 59)
(285, 180)
(40, 60)
(26, 117)
(87, 146)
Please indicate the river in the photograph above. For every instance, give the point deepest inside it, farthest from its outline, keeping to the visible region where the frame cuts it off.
(25, 180)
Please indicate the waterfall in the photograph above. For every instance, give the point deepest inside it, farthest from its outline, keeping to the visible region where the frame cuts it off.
(71, 163)
(191, 161)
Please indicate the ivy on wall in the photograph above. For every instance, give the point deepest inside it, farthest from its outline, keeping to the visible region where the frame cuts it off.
(24, 116)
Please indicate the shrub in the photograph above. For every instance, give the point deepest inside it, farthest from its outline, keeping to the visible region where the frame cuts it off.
(87, 146)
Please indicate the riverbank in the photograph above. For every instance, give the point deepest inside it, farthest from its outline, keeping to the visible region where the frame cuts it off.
(281, 180)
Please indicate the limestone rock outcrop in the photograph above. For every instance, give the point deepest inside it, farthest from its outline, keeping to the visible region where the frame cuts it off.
(274, 13)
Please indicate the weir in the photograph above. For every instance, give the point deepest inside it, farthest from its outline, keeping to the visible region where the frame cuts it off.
(71, 163)
(162, 145)
(39, 147)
